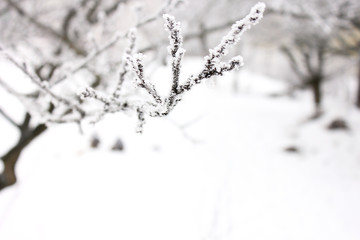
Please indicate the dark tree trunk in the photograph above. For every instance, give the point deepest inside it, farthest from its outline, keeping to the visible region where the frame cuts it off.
(8, 176)
(358, 87)
(315, 85)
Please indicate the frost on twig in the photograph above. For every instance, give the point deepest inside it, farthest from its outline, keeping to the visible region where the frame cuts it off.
(213, 65)
(138, 69)
(113, 103)
(141, 120)
(169, 6)
(125, 64)
(176, 52)
(160, 106)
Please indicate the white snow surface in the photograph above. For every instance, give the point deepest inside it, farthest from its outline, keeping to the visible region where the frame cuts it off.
(214, 169)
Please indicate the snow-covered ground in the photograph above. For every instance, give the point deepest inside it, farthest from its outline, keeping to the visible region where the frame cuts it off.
(215, 169)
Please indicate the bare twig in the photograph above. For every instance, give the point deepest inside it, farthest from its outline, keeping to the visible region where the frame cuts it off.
(67, 21)
(113, 8)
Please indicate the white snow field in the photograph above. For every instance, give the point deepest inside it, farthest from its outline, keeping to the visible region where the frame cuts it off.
(214, 169)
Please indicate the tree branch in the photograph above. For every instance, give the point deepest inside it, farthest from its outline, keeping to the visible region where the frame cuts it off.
(116, 37)
(67, 21)
(91, 56)
(293, 63)
(77, 49)
(213, 66)
(26, 123)
(113, 8)
(19, 96)
(43, 85)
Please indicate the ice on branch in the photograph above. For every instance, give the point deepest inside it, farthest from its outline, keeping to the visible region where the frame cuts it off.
(131, 36)
(176, 52)
(213, 65)
(91, 93)
(136, 62)
(233, 36)
(175, 38)
(141, 120)
(160, 106)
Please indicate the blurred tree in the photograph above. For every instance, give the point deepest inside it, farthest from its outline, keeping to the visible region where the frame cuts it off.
(65, 37)
(317, 28)
(307, 57)
(348, 16)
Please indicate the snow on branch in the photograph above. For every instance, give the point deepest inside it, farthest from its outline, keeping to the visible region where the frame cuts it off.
(138, 68)
(175, 38)
(168, 7)
(125, 64)
(175, 51)
(44, 86)
(91, 93)
(213, 64)
(235, 33)
(114, 103)
(70, 105)
(161, 106)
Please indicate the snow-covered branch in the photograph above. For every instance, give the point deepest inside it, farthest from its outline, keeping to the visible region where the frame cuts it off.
(213, 66)
(125, 64)
(136, 62)
(44, 85)
(176, 52)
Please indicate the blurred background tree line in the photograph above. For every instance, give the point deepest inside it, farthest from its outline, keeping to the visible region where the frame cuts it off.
(305, 43)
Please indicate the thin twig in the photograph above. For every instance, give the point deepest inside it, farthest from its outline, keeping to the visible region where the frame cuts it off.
(43, 85)
(91, 56)
(10, 89)
(8, 118)
(125, 64)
